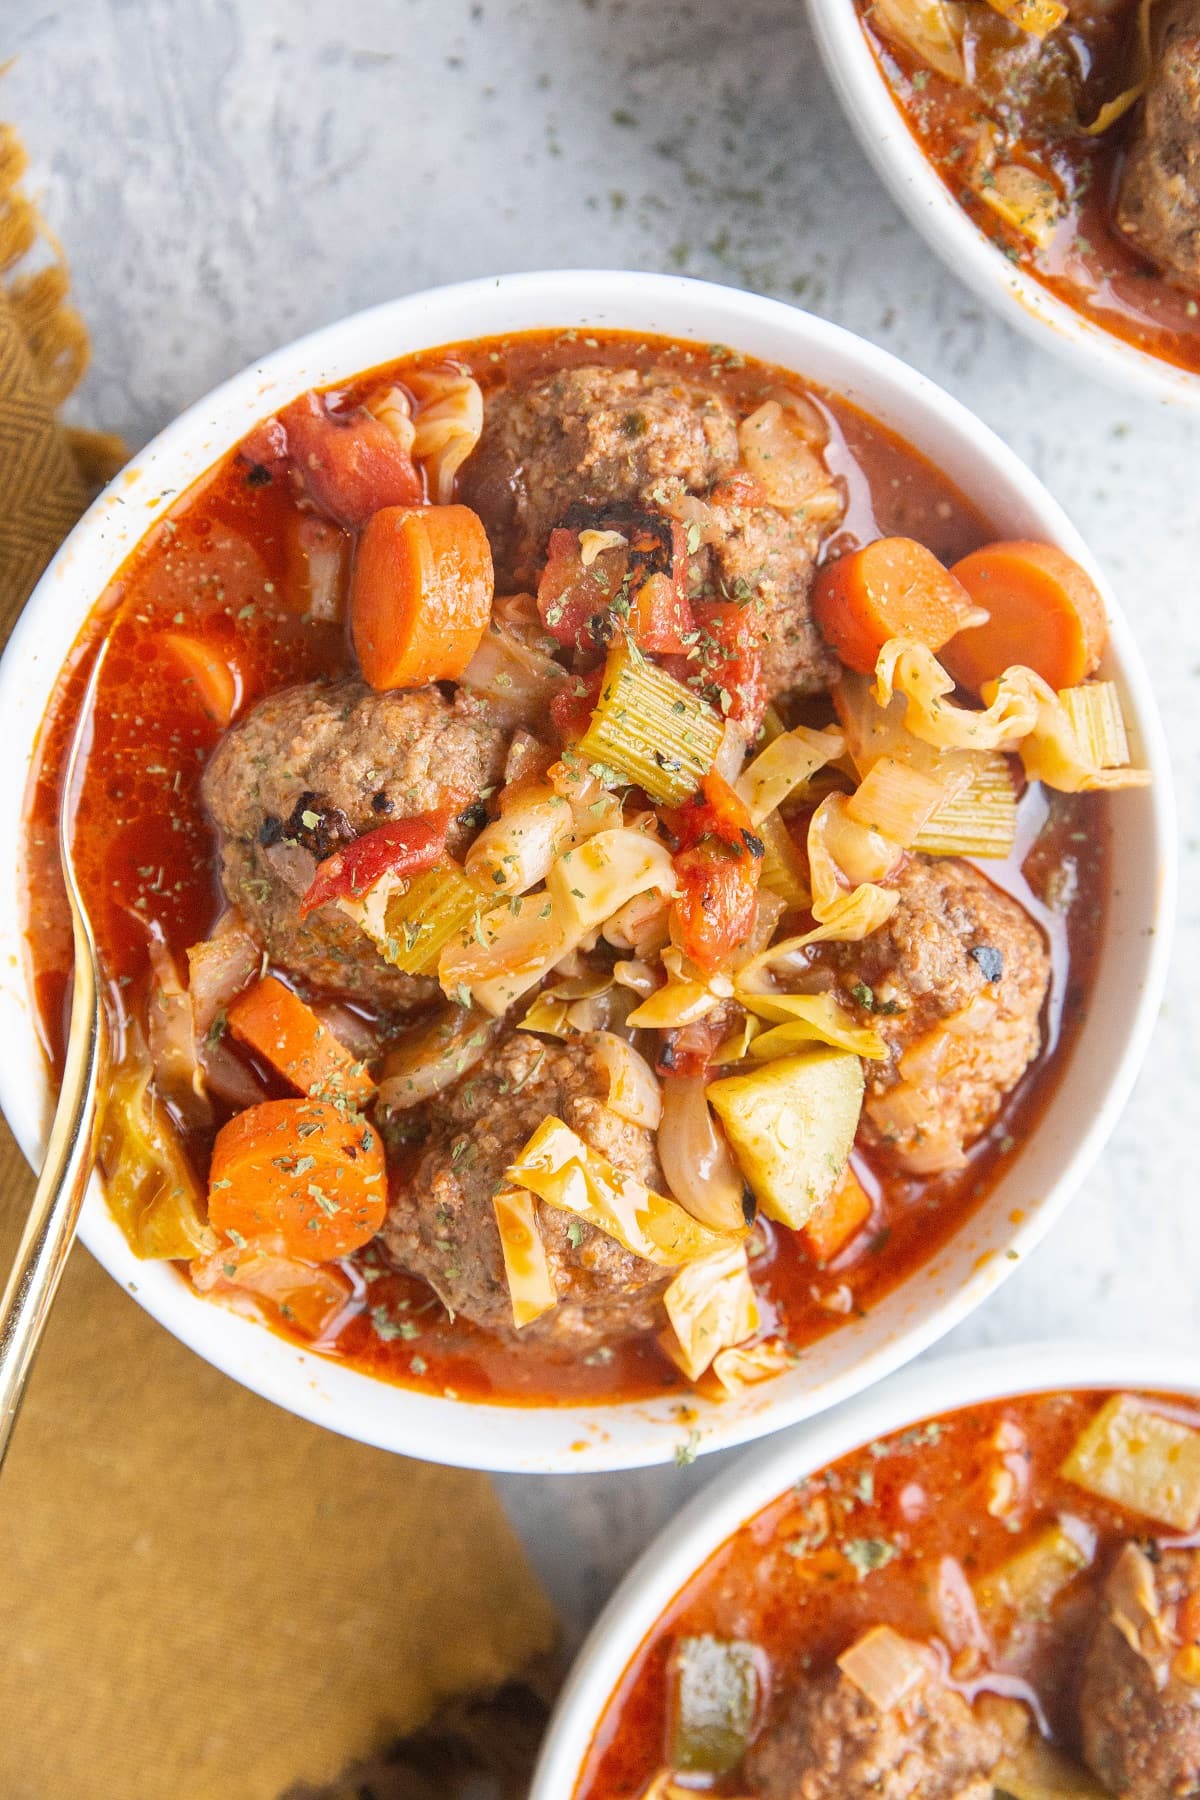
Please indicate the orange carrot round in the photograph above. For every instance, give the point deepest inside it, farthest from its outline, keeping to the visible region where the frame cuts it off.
(277, 1023)
(302, 1171)
(894, 587)
(217, 683)
(1043, 611)
(420, 595)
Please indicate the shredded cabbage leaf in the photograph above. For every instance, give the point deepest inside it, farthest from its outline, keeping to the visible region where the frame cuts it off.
(526, 1267)
(562, 1170)
(807, 1018)
(711, 1305)
(742, 1365)
(684, 997)
(785, 765)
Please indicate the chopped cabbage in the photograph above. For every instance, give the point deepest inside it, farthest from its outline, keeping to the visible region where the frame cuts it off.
(712, 1306)
(786, 764)
(815, 1018)
(530, 1283)
(562, 1170)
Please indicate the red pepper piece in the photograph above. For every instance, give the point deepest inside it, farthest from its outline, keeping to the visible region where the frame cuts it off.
(402, 847)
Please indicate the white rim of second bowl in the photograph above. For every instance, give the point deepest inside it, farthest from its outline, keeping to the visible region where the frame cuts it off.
(883, 133)
(518, 1438)
(935, 1387)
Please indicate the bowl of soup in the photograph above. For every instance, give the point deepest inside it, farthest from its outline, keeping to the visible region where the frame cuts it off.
(588, 983)
(1044, 153)
(982, 1578)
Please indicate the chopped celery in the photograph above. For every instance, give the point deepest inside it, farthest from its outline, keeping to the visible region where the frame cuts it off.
(1027, 1584)
(411, 920)
(791, 1125)
(714, 1699)
(1140, 1459)
(649, 729)
(980, 821)
(1098, 722)
(782, 870)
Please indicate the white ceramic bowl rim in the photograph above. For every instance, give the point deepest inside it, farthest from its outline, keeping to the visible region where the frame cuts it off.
(935, 1387)
(919, 191)
(1087, 1099)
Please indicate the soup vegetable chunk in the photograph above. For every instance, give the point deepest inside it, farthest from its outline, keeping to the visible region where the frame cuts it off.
(597, 859)
(1001, 1602)
(1070, 131)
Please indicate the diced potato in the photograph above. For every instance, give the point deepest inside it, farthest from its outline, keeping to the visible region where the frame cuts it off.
(1140, 1459)
(791, 1126)
(1026, 1586)
(714, 1698)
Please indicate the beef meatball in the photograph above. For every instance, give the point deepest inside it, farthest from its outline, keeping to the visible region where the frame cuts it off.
(590, 436)
(442, 1226)
(824, 1740)
(1140, 1722)
(954, 983)
(602, 437)
(1158, 205)
(312, 767)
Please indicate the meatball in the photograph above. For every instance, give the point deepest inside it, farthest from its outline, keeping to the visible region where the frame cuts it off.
(616, 437)
(954, 983)
(594, 436)
(1158, 204)
(1140, 1721)
(824, 1740)
(312, 767)
(442, 1227)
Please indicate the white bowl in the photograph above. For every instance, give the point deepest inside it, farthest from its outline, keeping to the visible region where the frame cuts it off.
(1078, 1118)
(711, 1517)
(919, 191)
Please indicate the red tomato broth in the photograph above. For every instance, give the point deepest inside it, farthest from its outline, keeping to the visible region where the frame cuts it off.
(768, 1583)
(1088, 264)
(225, 559)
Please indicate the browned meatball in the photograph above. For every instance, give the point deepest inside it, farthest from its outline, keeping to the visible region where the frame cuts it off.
(954, 983)
(607, 437)
(312, 767)
(592, 435)
(1158, 206)
(824, 1740)
(442, 1226)
(1140, 1721)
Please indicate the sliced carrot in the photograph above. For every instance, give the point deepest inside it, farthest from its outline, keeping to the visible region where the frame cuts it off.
(894, 587)
(839, 1217)
(1043, 611)
(217, 682)
(303, 1171)
(277, 1023)
(420, 595)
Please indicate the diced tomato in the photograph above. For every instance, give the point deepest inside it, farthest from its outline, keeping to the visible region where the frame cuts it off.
(350, 463)
(571, 711)
(730, 659)
(739, 489)
(689, 1049)
(404, 847)
(638, 584)
(716, 868)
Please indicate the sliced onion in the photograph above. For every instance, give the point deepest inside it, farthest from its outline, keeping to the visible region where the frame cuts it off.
(885, 1666)
(293, 864)
(171, 1031)
(516, 851)
(633, 1087)
(642, 925)
(731, 752)
(955, 1609)
(696, 1160)
(219, 968)
(519, 680)
(432, 1057)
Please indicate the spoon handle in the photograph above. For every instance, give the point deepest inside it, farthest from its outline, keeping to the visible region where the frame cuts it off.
(50, 1227)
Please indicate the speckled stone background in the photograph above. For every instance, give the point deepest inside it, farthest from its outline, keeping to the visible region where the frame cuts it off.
(226, 174)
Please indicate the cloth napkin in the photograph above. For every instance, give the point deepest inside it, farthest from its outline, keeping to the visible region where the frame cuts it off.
(201, 1598)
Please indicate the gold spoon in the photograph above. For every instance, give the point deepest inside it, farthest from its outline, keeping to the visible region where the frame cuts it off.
(70, 1154)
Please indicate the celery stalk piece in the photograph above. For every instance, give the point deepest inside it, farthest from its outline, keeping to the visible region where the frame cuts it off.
(411, 920)
(1098, 722)
(981, 821)
(1140, 1459)
(648, 729)
(714, 1698)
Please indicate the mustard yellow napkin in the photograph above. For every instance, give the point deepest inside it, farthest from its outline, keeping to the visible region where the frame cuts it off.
(201, 1598)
